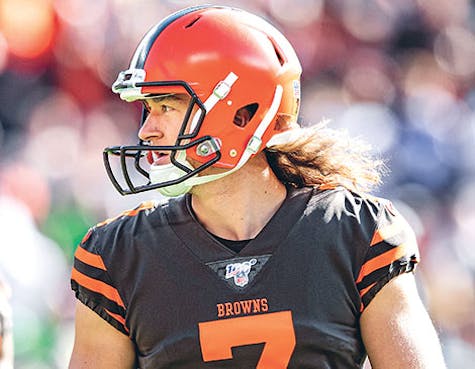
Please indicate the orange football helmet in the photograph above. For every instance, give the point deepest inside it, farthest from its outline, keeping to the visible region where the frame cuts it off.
(225, 59)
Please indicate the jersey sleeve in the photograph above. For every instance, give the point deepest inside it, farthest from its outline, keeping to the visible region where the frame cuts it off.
(92, 284)
(392, 251)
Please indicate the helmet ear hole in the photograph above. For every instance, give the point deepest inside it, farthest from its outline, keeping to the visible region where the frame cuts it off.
(244, 115)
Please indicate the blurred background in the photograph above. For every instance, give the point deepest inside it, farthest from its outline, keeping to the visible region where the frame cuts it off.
(401, 74)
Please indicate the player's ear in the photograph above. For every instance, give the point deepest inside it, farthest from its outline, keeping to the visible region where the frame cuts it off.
(244, 115)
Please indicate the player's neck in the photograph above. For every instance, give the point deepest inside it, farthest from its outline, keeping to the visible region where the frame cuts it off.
(238, 206)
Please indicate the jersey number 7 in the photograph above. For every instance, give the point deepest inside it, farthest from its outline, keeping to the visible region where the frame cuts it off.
(275, 330)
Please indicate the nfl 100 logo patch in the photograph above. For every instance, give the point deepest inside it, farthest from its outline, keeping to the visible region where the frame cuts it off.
(240, 272)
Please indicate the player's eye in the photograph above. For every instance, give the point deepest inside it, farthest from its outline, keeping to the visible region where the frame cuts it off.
(166, 108)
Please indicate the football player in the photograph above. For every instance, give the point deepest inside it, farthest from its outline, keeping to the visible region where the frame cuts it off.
(270, 252)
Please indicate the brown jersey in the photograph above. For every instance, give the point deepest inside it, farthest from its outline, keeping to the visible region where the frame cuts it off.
(291, 298)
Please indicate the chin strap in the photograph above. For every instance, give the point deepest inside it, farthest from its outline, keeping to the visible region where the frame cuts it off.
(221, 90)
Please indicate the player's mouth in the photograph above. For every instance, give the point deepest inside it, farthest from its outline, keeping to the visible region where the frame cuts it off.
(158, 158)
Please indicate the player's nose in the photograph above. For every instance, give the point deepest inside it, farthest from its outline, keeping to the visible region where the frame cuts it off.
(150, 130)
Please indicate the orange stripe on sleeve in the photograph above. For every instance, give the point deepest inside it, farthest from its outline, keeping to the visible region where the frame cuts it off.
(97, 286)
(89, 258)
(382, 260)
(129, 213)
(86, 236)
(387, 232)
(364, 290)
(117, 317)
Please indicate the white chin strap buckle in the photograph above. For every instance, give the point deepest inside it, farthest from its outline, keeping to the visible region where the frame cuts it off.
(223, 88)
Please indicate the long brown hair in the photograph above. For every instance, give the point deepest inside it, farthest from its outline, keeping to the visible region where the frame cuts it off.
(319, 155)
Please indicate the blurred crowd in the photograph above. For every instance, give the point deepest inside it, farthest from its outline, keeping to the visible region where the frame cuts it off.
(400, 74)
